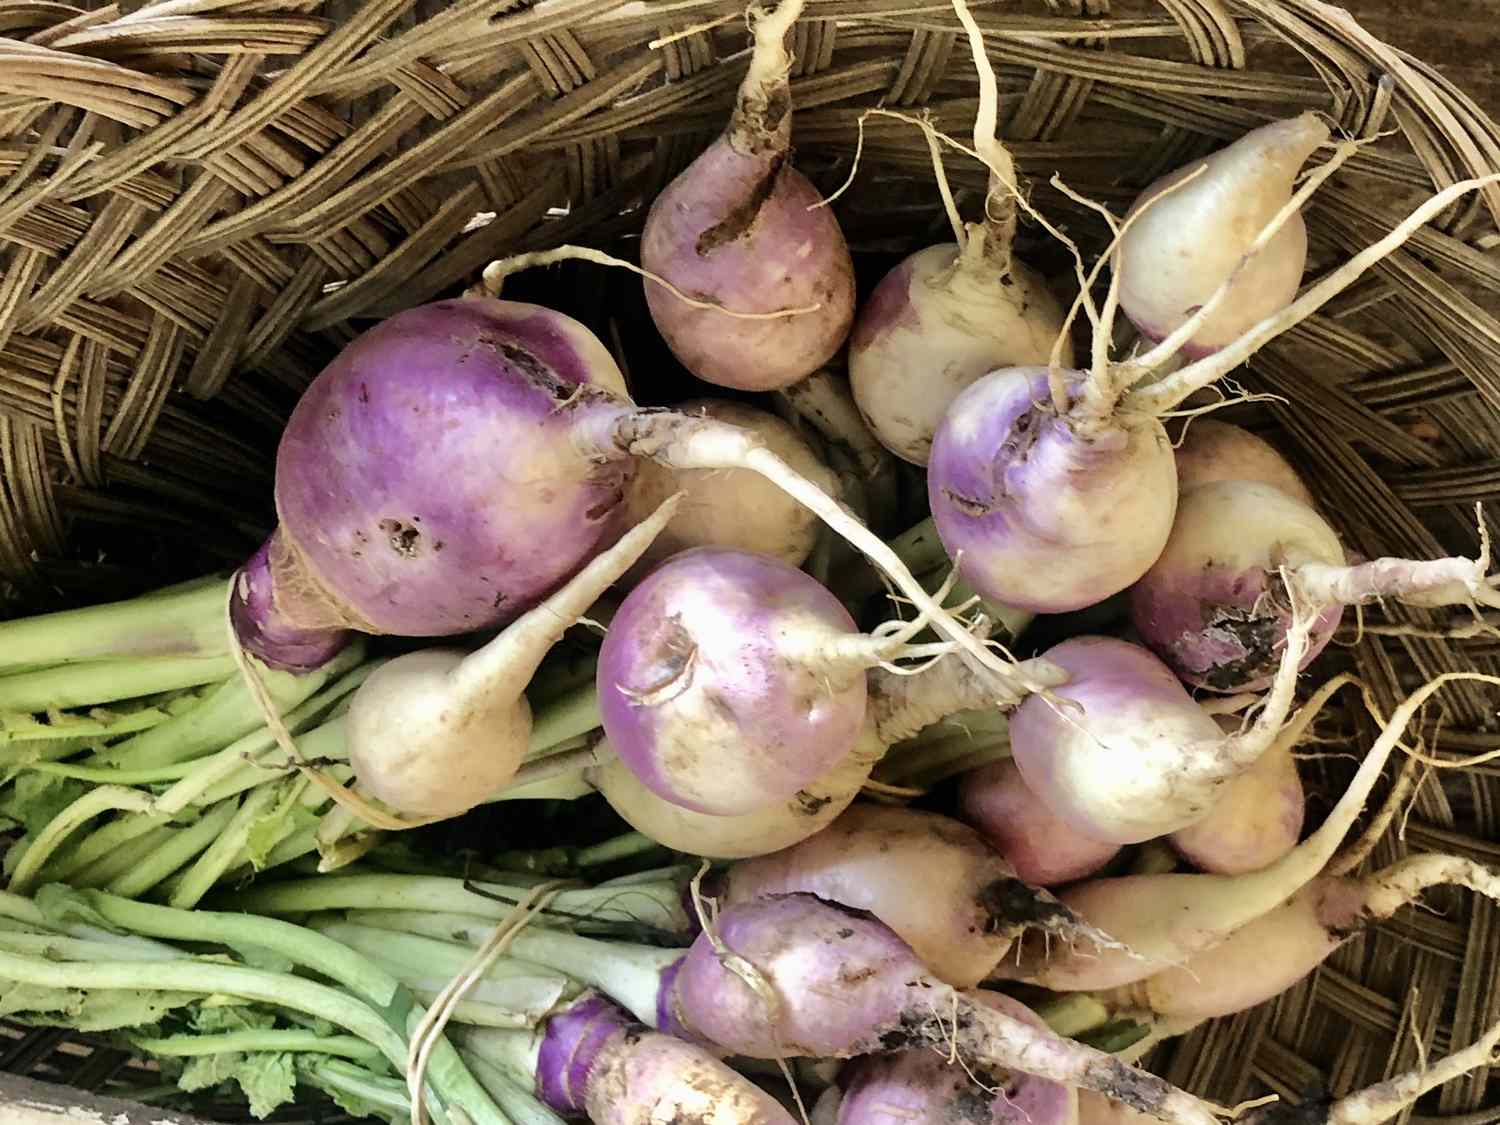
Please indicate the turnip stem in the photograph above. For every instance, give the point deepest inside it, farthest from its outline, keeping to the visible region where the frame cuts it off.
(182, 846)
(750, 129)
(197, 977)
(205, 871)
(567, 717)
(182, 621)
(1169, 392)
(229, 713)
(259, 1039)
(373, 985)
(1000, 200)
(626, 846)
(108, 681)
(1071, 1015)
(824, 401)
(658, 905)
(106, 798)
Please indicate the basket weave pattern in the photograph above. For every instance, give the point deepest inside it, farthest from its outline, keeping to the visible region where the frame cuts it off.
(200, 200)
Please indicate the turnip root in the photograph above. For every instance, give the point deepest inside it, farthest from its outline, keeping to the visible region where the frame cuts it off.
(922, 1085)
(1043, 849)
(953, 312)
(733, 508)
(1214, 605)
(438, 731)
(1173, 257)
(770, 829)
(729, 680)
(1258, 816)
(739, 226)
(458, 462)
(1055, 501)
(932, 880)
(1269, 955)
(792, 976)
(1162, 920)
(1128, 756)
(592, 1059)
(838, 985)
(1210, 450)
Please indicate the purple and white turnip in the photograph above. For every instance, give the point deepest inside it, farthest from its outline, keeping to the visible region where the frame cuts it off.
(740, 227)
(953, 312)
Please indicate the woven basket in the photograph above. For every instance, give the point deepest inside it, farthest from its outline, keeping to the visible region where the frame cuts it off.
(203, 199)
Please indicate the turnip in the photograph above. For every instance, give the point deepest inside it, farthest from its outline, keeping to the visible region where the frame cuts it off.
(739, 226)
(922, 1085)
(733, 508)
(458, 462)
(953, 312)
(1173, 257)
(1128, 755)
(1270, 954)
(729, 680)
(1043, 849)
(1053, 493)
(1258, 816)
(1162, 920)
(899, 705)
(434, 733)
(1209, 450)
(931, 879)
(1214, 605)
(793, 976)
(770, 829)
(592, 1059)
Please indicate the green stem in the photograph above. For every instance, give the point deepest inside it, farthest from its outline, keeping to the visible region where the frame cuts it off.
(186, 620)
(353, 1081)
(108, 681)
(1074, 1014)
(655, 905)
(626, 846)
(321, 744)
(570, 665)
(230, 713)
(259, 1039)
(90, 805)
(26, 729)
(57, 947)
(121, 860)
(565, 718)
(311, 950)
(207, 978)
(930, 762)
(207, 868)
(519, 1105)
(183, 846)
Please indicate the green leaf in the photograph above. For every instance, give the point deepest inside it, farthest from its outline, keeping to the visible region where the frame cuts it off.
(266, 1078)
(215, 1018)
(61, 904)
(114, 1009)
(36, 798)
(278, 822)
(19, 999)
(204, 1072)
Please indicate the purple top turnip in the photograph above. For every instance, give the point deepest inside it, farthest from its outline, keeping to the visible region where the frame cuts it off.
(741, 227)
(417, 473)
(1055, 490)
(924, 1087)
(951, 313)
